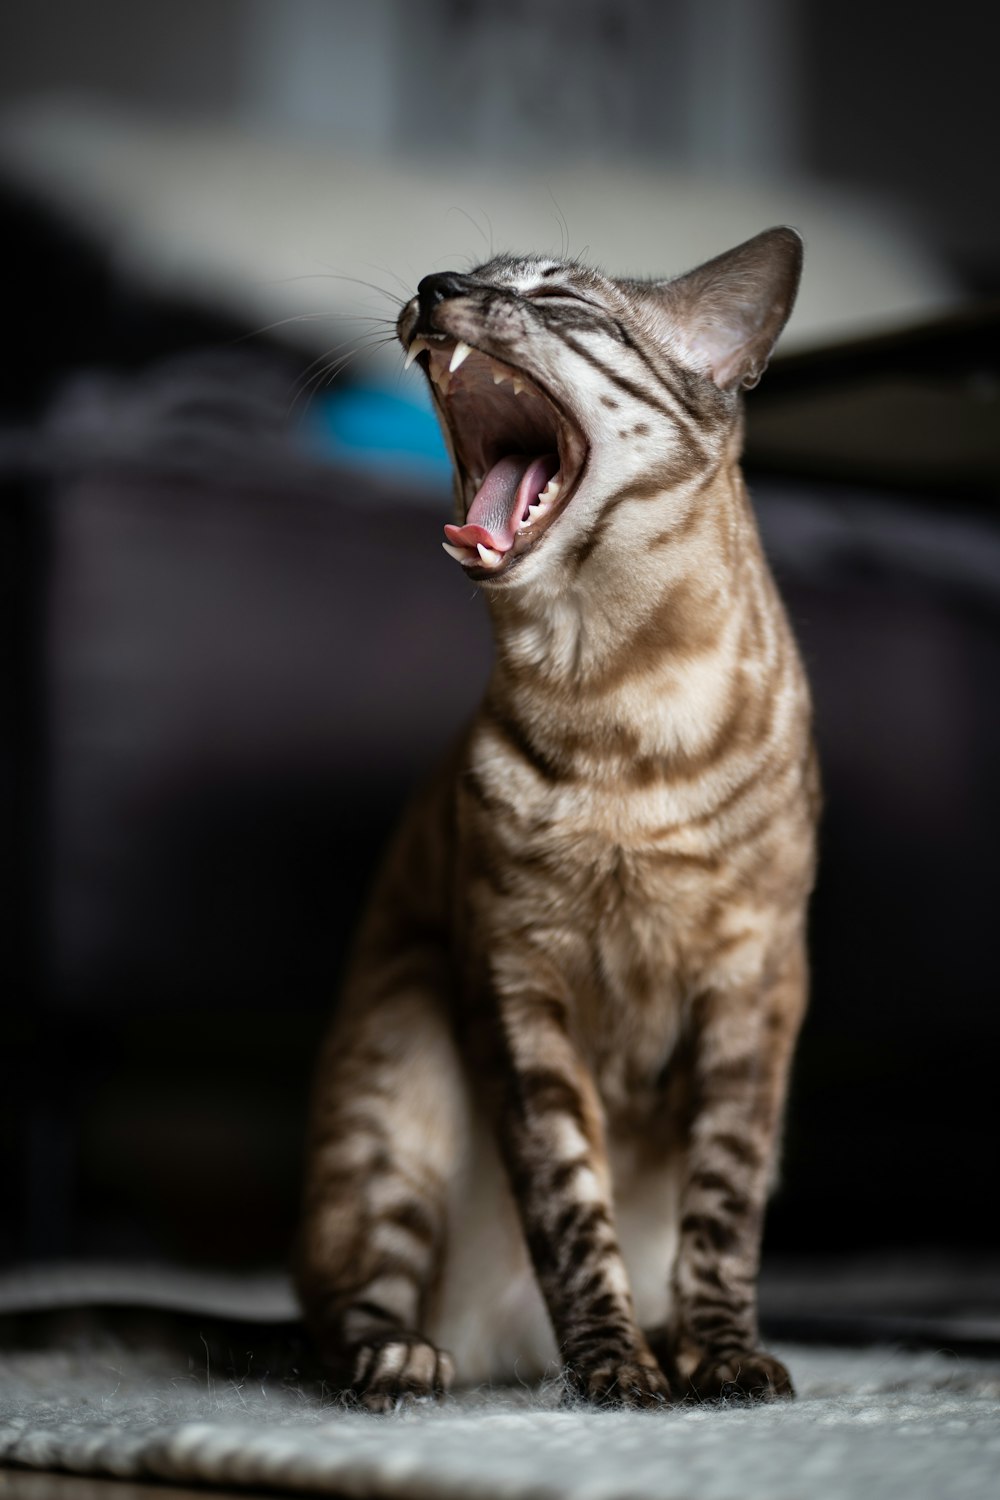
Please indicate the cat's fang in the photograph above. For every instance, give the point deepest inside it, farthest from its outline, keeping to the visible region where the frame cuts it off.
(461, 352)
(416, 347)
(460, 554)
(489, 557)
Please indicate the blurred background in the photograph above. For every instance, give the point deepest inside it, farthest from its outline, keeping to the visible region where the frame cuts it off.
(231, 642)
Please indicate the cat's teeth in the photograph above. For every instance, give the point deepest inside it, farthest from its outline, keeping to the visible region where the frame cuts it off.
(489, 557)
(551, 491)
(440, 375)
(416, 347)
(462, 351)
(518, 385)
(534, 511)
(458, 553)
(500, 375)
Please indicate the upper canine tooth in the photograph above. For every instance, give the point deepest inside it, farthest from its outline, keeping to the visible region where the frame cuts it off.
(416, 347)
(489, 557)
(462, 351)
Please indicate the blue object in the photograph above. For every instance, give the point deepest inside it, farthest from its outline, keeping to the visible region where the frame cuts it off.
(371, 428)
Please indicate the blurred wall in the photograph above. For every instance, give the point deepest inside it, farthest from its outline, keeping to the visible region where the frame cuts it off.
(895, 99)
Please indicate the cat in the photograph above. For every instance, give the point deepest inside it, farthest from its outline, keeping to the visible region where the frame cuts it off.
(546, 1116)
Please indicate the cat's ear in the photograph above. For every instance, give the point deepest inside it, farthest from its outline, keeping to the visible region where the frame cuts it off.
(725, 316)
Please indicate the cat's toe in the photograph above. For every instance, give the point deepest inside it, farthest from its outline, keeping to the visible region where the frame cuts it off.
(397, 1372)
(741, 1374)
(624, 1383)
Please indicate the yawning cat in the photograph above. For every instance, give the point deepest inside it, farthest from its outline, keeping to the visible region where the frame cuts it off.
(546, 1117)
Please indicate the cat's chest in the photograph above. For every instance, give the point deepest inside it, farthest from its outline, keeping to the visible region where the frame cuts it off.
(628, 937)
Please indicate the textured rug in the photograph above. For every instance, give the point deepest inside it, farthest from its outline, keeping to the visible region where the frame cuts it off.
(182, 1398)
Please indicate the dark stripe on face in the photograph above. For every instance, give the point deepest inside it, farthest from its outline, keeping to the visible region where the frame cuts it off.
(683, 398)
(680, 418)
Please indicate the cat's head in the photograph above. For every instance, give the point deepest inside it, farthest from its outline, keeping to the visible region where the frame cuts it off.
(563, 393)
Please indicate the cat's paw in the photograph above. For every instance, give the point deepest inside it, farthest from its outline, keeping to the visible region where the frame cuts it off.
(741, 1374)
(619, 1383)
(397, 1371)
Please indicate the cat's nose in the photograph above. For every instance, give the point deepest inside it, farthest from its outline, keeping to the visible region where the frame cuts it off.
(437, 288)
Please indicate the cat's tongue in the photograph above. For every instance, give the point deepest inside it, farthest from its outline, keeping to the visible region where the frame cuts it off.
(502, 500)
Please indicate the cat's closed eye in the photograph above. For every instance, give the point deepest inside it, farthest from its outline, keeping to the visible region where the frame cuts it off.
(561, 293)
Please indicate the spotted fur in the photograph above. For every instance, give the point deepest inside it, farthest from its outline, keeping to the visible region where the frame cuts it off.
(547, 1114)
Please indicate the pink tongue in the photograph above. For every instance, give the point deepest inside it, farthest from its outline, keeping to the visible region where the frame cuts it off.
(501, 501)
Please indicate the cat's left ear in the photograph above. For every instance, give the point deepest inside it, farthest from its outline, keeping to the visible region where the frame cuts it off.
(725, 316)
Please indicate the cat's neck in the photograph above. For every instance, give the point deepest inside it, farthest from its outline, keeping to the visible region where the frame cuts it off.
(647, 640)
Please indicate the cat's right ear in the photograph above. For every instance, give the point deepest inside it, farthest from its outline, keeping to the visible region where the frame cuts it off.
(723, 318)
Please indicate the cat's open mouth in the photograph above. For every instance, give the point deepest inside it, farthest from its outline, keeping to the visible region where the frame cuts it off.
(517, 453)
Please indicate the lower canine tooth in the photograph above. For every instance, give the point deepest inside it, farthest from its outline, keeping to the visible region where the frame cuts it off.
(458, 553)
(489, 557)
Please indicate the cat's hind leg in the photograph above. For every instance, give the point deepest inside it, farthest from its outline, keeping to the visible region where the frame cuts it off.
(387, 1126)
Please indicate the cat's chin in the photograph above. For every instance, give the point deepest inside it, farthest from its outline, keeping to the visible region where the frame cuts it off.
(519, 456)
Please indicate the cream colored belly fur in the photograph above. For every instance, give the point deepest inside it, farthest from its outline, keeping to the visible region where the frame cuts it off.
(489, 1314)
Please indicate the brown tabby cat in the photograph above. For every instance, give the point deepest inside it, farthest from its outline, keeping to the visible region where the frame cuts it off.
(546, 1117)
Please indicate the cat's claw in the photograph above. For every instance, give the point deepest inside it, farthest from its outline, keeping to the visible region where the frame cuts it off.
(620, 1383)
(741, 1375)
(398, 1372)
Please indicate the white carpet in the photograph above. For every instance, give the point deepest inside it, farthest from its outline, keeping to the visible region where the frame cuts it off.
(873, 1424)
(138, 1394)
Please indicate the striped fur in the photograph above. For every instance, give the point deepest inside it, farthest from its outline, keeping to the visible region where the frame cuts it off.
(546, 1118)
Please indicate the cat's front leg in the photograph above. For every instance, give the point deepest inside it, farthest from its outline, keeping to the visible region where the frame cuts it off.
(743, 1048)
(552, 1137)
